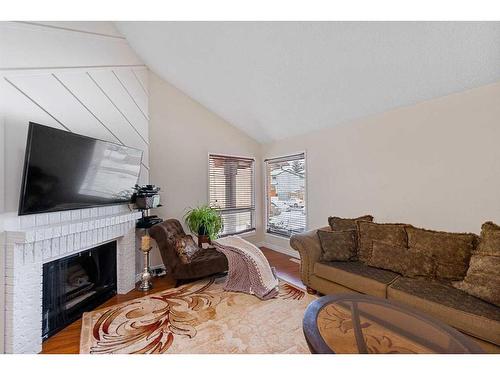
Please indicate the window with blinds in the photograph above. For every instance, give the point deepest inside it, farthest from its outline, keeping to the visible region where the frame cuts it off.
(285, 191)
(231, 190)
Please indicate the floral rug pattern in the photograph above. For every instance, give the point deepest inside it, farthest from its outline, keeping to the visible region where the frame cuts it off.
(199, 318)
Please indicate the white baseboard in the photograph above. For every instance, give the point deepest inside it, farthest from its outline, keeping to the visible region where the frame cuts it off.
(279, 249)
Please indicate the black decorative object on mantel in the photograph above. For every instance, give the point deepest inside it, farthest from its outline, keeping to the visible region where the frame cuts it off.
(144, 198)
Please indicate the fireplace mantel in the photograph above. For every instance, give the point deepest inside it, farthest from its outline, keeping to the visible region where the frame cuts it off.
(32, 240)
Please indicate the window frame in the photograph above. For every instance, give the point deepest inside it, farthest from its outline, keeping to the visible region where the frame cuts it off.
(266, 191)
(254, 196)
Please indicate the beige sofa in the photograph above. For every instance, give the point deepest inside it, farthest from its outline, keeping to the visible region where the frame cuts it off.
(472, 316)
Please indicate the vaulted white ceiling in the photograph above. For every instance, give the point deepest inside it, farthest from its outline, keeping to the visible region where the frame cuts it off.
(278, 79)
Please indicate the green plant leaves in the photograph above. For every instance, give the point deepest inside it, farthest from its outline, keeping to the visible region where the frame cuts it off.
(204, 219)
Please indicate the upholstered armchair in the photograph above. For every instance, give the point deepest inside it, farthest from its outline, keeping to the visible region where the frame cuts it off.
(183, 259)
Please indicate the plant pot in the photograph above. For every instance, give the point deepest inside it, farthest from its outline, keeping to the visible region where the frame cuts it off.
(202, 231)
(203, 238)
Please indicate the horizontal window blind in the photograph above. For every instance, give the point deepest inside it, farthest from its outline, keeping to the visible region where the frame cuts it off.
(285, 195)
(232, 191)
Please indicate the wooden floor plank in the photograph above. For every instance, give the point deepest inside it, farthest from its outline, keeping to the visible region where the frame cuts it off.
(67, 341)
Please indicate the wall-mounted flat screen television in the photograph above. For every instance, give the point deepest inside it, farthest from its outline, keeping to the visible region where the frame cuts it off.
(67, 171)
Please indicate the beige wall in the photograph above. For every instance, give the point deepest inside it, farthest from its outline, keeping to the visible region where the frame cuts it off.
(435, 164)
(182, 134)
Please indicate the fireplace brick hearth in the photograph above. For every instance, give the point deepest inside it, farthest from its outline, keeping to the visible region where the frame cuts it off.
(27, 242)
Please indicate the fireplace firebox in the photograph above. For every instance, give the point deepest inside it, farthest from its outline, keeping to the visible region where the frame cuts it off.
(76, 284)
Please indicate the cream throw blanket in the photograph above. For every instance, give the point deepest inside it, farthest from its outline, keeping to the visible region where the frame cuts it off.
(249, 270)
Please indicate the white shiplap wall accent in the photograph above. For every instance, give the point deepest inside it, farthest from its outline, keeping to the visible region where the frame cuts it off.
(78, 76)
(2, 164)
(27, 46)
(73, 76)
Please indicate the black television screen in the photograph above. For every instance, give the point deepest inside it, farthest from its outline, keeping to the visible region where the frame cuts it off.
(66, 171)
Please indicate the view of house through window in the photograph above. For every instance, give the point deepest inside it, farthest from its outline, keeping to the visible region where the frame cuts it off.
(286, 205)
(231, 189)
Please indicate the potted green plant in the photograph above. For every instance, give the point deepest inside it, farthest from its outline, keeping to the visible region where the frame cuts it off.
(205, 222)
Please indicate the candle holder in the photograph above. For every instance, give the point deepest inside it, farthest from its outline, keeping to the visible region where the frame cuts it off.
(144, 223)
(146, 275)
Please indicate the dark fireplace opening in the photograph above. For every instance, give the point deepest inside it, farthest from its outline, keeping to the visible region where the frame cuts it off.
(76, 284)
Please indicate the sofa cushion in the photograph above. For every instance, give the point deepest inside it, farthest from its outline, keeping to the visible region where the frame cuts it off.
(337, 245)
(401, 260)
(356, 276)
(389, 257)
(419, 264)
(489, 242)
(450, 251)
(392, 234)
(340, 223)
(452, 306)
(483, 276)
(325, 286)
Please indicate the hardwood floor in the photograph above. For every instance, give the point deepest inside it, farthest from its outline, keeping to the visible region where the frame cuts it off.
(67, 341)
(286, 269)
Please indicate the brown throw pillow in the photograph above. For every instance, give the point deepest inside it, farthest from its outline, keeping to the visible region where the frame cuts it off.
(186, 248)
(483, 276)
(339, 223)
(393, 234)
(489, 243)
(389, 257)
(419, 264)
(337, 245)
(450, 251)
(400, 260)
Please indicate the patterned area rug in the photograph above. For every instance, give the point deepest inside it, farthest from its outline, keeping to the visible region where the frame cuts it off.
(199, 318)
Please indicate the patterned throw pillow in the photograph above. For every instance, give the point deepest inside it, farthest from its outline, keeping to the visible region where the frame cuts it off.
(483, 276)
(489, 243)
(401, 260)
(419, 264)
(337, 245)
(340, 223)
(450, 252)
(389, 257)
(393, 234)
(186, 248)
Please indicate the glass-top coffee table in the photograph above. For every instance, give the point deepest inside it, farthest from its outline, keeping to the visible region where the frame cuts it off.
(356, 323)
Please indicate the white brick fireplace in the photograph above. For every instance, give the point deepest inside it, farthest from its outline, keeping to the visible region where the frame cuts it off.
(27, 242)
